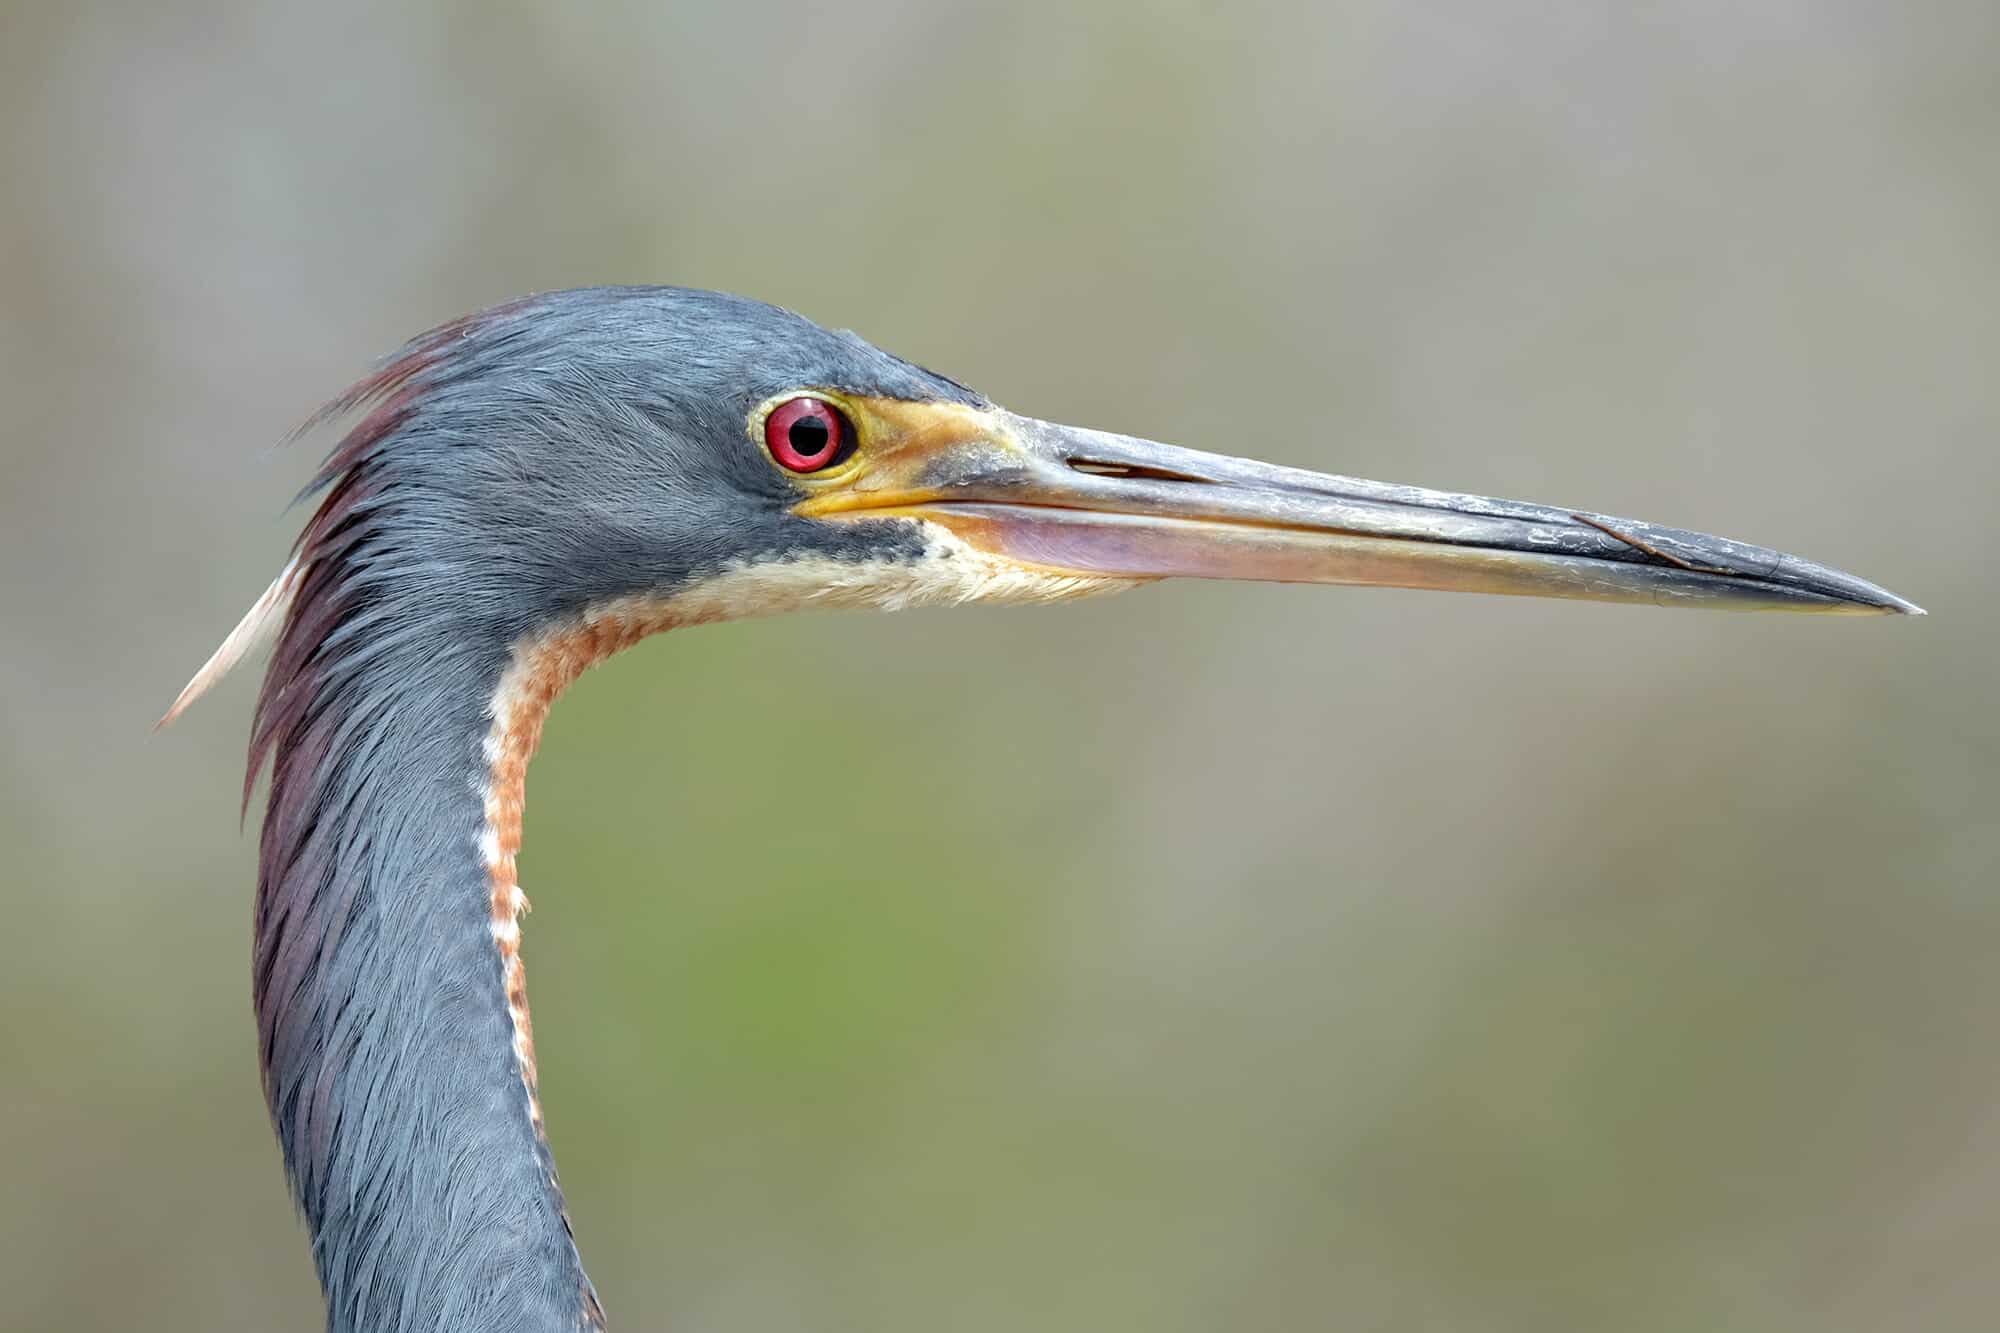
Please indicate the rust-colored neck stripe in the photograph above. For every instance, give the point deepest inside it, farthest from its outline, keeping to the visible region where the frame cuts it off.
(542, 668)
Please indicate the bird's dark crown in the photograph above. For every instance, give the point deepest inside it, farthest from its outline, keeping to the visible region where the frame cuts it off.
(593, 442)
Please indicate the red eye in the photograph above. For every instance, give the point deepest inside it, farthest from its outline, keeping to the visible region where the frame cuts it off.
(806, 434)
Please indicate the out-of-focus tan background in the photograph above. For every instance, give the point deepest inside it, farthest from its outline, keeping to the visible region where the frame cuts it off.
(1210, 957)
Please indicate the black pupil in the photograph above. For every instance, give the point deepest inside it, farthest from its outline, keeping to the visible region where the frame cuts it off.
(809, 436)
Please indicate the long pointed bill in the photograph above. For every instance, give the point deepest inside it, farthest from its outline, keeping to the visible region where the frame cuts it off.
(1086, 502)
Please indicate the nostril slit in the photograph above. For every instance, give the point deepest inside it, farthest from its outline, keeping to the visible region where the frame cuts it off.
(1091, 467)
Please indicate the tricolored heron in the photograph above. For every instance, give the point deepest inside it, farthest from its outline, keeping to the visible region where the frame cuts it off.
(537, 486)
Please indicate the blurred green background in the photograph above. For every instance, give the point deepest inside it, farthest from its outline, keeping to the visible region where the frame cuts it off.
(1209, 957)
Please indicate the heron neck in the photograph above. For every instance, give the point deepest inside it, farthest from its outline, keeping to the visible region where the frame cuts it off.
(399, 1060)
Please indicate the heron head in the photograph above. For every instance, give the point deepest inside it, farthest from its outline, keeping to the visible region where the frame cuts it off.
(666, 456)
